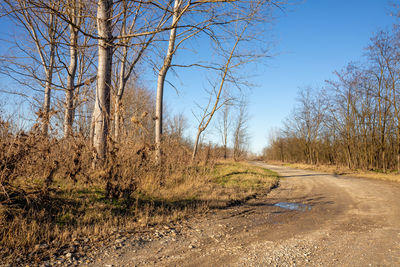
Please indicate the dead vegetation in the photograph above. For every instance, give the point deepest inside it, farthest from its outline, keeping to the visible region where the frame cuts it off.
(50, 196)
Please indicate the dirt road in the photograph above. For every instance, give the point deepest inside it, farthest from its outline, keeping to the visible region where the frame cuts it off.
(337, 221)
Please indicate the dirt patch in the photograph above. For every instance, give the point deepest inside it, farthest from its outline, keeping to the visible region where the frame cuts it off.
(389, 175)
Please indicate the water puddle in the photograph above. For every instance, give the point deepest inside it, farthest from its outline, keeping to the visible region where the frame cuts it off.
(293, 206)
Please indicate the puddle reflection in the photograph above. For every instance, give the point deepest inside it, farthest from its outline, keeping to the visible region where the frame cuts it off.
(293, 206)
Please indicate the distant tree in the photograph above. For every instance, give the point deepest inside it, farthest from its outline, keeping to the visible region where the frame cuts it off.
(42, 28)
(214, 103)
(240, 135)
(225, 124)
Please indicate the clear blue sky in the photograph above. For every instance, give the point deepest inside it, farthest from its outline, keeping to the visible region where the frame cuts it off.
(310, 41)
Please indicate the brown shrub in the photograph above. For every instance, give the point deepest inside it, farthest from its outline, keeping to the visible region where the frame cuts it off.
(49, 192)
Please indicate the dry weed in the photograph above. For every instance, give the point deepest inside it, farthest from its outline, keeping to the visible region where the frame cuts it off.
(51, 196)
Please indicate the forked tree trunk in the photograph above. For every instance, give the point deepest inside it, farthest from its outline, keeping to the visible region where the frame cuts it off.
(101, 111)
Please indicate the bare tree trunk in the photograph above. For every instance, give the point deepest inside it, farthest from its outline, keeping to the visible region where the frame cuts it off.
(49, 79)
(101, 111)
(118, 97)
(196, 145)
(121, 79)
(225, 128)
(69, 93)
(240, 134)
(117, 118)
(161, 80)
(225, 151)
(398, 162)
(91, 131)
(47, 98)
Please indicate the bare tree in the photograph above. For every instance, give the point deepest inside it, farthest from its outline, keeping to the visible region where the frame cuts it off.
(244, 30)
(225, 122)
(122, 26)
(127, 65)
(101, 111)
(216, 13)
(213, 106)
(360, 115)
(75, 10)
(42, 28)
(240, 135)
(224, 127)
(161, 77)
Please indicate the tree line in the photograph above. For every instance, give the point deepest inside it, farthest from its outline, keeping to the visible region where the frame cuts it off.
(353, 120)
(93, 51)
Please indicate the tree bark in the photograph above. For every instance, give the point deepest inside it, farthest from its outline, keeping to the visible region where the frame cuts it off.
(101, 111)
(161, 80)
(118, 97)
(196, 145)
(49, 80)
(69, 93)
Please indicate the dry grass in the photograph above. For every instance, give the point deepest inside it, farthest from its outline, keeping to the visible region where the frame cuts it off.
(244, 176)
(50, 195)
(393, 176)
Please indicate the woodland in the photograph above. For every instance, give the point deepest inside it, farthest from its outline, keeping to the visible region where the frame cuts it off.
(352, 120)
(91, 146)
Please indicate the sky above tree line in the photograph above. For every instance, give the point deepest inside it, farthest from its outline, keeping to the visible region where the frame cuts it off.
(309, 40)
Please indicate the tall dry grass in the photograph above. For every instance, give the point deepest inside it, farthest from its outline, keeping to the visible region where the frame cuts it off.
(49, 193)
(51, 196)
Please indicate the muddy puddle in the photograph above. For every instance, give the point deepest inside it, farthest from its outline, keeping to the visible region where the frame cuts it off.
(293, 206)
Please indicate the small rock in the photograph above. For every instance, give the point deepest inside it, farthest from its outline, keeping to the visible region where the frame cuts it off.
(192, 246)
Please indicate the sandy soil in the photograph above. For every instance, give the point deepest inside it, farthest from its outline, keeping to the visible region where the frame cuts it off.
(343, 222)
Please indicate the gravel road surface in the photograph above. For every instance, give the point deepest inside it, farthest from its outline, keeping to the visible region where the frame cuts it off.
(311, 219)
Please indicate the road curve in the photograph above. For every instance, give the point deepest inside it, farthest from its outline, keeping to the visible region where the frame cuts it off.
(339, 221)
